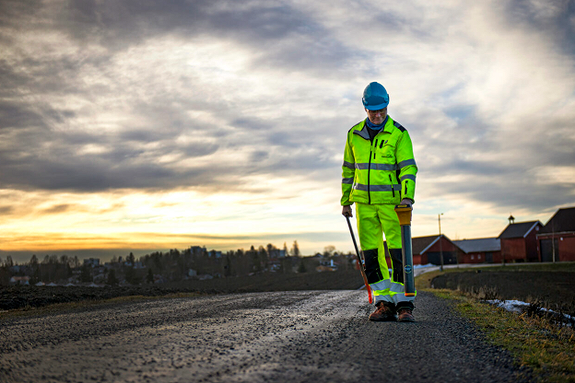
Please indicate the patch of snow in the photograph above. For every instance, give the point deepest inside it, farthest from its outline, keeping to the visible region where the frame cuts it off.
(513, 306)
(516, 306)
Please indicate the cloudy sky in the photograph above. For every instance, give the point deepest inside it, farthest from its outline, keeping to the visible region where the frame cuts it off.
(142, 125)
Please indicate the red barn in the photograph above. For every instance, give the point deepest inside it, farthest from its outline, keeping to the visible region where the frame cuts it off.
(428, 249)
(519, 242)
(481, 250)
(557, 237)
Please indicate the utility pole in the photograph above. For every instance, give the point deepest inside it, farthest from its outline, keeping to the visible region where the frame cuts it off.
(553, 240)
(440, 245)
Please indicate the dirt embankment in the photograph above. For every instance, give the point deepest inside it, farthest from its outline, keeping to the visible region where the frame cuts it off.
(15, 297)
(553, 289)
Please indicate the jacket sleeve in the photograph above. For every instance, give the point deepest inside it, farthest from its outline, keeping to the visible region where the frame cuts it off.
(406, 166)
(348, 172)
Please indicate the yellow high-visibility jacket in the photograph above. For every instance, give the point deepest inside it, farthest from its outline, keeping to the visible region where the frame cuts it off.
(381, 171)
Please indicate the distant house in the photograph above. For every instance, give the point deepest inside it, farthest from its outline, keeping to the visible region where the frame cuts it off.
(92, 262)
(197, 251)
(519, 242)
(428, 250)
(327, 265)
(481, 250)
(215, 254)
(557, 238)
(20, 280)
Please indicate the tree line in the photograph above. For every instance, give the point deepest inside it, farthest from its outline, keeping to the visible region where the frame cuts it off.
(173, 265)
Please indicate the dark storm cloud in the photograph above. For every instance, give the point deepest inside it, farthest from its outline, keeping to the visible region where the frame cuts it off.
(28, 164)
(282, 34)
(17, 115)
(554, 18)
(6, 210)
(492, 162)
(57, 209)
(512, 192)
(252, 123)
(142, 135)
(36, 154)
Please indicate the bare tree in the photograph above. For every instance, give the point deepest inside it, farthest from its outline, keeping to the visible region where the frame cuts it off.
(295, 249)
(328, 251)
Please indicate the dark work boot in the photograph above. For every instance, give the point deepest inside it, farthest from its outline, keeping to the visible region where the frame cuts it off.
(384, 312)
(405, 314)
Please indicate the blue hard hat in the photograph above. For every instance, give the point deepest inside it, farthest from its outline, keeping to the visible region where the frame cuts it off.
(375, 97)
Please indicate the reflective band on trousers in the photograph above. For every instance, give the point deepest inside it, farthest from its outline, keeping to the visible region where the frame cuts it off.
(396, 287)
(365, 166)
(381, 285)
(377, 188)
(397, 292)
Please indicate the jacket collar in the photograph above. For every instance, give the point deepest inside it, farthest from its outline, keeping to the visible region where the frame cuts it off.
(365, 134)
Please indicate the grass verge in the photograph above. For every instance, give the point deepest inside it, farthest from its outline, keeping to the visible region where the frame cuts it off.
(547, 349)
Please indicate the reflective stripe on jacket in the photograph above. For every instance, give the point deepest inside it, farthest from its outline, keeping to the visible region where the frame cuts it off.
(381, 171)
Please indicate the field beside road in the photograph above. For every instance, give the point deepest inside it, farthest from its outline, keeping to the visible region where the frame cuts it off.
(551, 286)
(17, 297)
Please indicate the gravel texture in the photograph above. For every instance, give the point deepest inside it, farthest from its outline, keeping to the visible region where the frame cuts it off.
(298, 336)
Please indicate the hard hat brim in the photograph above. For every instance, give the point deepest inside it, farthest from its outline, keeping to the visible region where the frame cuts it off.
(376, 107)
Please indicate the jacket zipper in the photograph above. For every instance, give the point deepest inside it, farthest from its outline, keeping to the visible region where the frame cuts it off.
(369, 169)
(392, 188)
(368, 173)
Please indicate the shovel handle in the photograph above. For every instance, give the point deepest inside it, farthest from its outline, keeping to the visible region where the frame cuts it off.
(361, 268)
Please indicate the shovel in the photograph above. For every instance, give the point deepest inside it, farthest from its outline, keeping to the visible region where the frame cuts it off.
(361, 262)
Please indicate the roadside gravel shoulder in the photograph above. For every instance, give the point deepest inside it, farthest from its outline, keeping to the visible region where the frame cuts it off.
(307, 336)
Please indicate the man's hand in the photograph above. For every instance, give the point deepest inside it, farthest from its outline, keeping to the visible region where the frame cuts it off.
(346, 211)
(406, 201)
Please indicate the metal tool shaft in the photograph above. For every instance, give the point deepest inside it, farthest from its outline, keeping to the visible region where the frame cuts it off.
(407, 253)
(404, 215)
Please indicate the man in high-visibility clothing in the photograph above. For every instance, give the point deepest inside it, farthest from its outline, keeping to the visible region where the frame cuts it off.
(379, 173)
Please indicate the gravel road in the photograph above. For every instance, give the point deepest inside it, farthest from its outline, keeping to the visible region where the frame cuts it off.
(309, 336)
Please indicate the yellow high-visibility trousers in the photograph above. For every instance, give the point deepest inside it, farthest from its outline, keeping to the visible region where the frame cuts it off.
(372, 222)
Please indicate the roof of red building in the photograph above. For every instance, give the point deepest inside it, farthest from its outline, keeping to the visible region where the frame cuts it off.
(519, 230)
(479, 245)
(420, 244)
(562, 221)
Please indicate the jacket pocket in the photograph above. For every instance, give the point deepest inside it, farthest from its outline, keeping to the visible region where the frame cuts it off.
(386, 153)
